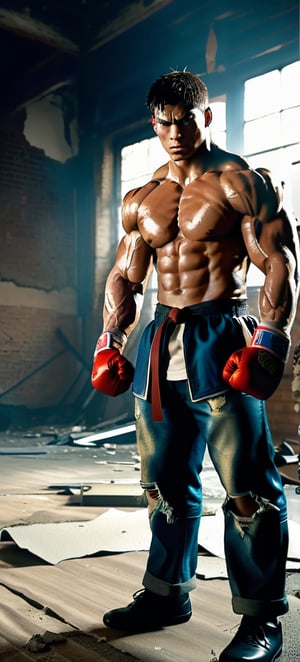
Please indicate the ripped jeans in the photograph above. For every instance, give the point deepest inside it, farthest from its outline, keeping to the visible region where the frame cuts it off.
(234, 428)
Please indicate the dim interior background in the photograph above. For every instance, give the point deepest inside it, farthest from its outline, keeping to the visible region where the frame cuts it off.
(75, 136)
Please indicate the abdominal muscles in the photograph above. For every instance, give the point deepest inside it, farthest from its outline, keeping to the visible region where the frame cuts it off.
(190, 272)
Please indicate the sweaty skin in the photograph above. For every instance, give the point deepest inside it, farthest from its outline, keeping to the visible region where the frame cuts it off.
(201, 220)
(202, 373)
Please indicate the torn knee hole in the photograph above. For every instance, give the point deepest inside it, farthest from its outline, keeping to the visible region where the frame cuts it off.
(249, 505)
(245, 506)
(151, 490)
(157, 502)
(153, 494)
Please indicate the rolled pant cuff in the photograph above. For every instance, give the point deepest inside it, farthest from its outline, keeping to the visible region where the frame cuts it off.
(260, 608)
(165, 589)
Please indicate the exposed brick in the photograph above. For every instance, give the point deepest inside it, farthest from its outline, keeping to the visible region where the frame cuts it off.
(38, 251)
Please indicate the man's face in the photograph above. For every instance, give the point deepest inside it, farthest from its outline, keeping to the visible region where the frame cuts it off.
(181, 132)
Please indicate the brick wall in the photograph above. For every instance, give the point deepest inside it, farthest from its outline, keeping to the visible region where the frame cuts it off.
(283, 418)
(38, 271)
(37, 216)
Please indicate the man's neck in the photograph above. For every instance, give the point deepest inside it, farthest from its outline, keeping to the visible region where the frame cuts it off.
(184, 172)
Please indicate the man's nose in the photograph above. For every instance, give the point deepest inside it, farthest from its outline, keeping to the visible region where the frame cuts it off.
(175, 131)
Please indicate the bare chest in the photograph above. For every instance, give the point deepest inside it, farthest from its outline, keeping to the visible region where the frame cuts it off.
(198, 212)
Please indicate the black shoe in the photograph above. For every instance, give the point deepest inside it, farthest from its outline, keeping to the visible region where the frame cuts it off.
(254, 642)
(149, 611)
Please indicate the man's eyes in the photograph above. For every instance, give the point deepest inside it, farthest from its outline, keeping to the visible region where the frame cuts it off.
(184, 121)
(163, 122)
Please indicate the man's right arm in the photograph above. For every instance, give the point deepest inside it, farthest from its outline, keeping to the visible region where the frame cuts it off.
(112, 373)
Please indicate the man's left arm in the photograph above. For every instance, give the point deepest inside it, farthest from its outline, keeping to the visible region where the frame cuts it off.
(258, 368)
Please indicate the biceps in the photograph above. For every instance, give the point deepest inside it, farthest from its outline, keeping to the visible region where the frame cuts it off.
(134, 258)
(251, 238)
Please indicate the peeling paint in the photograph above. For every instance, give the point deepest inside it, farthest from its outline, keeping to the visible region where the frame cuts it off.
(46, 128)
(63, 301)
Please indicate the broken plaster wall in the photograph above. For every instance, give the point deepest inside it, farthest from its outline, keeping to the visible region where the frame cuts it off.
(38, 254)
(51, 125)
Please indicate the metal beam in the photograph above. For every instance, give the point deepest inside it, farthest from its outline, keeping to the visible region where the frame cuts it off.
(26, 26)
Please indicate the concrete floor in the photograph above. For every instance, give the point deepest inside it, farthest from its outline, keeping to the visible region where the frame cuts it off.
(35, 476)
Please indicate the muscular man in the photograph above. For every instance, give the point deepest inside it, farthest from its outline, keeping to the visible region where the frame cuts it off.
(204, 366)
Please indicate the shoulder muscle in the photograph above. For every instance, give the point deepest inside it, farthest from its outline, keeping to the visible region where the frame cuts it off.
(251, 193)
(131, 202)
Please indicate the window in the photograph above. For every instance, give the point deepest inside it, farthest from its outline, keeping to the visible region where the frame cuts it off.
(272, 124)
(139, 161)
(272, 131)
(218, 125)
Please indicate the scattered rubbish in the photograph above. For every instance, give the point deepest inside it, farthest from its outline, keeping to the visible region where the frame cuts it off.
(42, 643)
(125, 434)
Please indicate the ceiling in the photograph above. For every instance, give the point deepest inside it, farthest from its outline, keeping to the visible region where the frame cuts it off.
(41, 40)
(44, 42)
(69, 26)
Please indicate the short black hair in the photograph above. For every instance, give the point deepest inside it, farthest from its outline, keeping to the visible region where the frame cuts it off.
(177, 87)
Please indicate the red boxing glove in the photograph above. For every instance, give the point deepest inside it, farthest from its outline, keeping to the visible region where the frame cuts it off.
(258, 369)
(112, 373)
